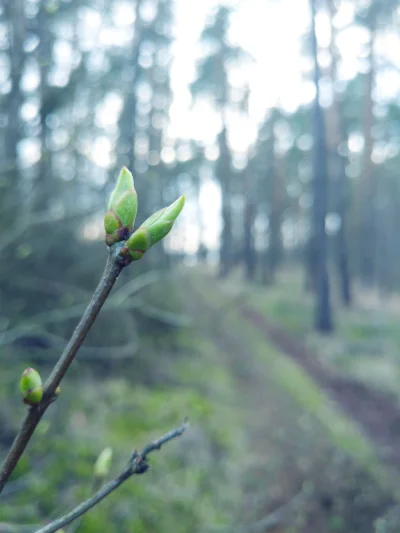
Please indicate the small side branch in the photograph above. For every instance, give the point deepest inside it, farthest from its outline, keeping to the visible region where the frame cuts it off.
(137, 465)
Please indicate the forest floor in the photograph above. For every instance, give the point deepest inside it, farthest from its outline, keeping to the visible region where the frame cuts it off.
(348, 382)
(290, 431)
(377, 412)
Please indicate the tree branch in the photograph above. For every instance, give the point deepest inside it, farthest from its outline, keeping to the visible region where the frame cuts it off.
(137, 465)
(35, 413)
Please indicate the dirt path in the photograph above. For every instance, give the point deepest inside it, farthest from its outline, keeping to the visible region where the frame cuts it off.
(377, 413)
(275, 435)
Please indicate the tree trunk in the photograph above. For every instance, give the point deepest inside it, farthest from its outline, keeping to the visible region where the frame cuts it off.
(224, 178)
(274, 188)
(275, 247)
(367, 214)
(44, 189)
(249, 252)
(318, 241)
(340, 185)
(127, 123)
(16, 18)
(248, 249)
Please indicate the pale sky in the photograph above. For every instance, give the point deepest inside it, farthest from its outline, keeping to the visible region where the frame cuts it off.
(272, 32)
(265, 31)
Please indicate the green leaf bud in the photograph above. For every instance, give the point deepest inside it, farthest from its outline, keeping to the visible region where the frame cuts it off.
(154, 229)
(112, 222)
(122, 209)
(172, 212)
(103, 463)
(123, 199)
(31, 386)
(138, 243)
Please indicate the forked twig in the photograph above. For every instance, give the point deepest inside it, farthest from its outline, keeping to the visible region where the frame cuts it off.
(137, 465)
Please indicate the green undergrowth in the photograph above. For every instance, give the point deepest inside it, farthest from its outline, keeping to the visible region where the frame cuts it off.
(175, 373)
(260, 428)
(366, 340)
(283, 372)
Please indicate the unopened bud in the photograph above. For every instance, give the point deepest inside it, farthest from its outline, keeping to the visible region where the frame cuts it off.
(31, 386)
(154, 229)
(103, 463)
(122, 209)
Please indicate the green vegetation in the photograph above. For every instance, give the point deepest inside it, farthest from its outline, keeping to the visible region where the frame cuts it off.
(365, 345)
(296, 382)
(249, 406)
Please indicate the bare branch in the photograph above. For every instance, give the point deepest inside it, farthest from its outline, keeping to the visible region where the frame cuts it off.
(137, 465)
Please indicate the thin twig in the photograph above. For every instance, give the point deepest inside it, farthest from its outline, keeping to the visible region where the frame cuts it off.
(137, 465)
(35, 413)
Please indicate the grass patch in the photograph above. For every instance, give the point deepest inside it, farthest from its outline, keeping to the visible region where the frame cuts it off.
(365, 344)
(343, 433)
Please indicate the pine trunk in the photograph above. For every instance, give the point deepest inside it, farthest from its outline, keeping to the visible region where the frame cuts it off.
(340, 182)
(367, 222)
(249, 252)
(224, 178)
(319, 245)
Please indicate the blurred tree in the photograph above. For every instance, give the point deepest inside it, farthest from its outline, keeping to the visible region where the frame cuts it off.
(157, 78)
(276, 203)
(373, 15)
(337, 138)
(131, 71)
(44, 185)
(318, 251)
(213, 82)
(250, 212)
(270, 195)
(17, 32)
(147, 98)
